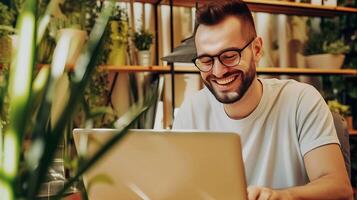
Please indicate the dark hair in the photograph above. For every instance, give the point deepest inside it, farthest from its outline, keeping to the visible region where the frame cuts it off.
(215, 12)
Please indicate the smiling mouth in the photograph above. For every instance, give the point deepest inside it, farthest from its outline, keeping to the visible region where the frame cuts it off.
(226, 81)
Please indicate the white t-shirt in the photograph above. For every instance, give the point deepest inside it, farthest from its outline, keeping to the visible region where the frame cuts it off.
(291, 119)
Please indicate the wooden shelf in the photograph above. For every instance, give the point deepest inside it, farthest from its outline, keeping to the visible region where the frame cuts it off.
(136, 68)
(286, 71)
(281, 7)
(267, 71)
(262, 71)
(307, 71)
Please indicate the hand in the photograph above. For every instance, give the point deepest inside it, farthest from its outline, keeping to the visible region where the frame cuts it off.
(263, 193)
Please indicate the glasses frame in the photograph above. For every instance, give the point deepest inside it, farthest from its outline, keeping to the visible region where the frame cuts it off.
(238, 50)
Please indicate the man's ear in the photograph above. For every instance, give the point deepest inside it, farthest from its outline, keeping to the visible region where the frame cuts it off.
(257, 46)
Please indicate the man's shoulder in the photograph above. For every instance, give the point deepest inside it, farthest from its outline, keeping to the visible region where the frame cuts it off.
(285, 82)
(288, 86)
(291, 94)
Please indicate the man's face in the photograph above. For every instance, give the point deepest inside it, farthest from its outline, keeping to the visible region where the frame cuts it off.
(228, 84)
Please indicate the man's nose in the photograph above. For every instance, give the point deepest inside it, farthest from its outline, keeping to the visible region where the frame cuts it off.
(218, 69)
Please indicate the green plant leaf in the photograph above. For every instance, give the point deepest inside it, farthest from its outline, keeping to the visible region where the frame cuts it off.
(9, 29)
(85, 65)
(335, 47)
(20, 84)
(143, 40)
(45, 20)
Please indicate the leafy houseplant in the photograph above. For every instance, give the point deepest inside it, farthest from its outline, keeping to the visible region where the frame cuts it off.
(30, 97)
(325, 48)
(337, 47)
(323, 54)
(343, 110)
(339, 108)
(343, 89)
(317, 44)
(142, 41)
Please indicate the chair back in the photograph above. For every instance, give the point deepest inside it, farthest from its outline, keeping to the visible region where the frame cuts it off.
(344, 138)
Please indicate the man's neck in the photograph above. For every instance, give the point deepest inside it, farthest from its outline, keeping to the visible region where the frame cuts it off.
(247, 104)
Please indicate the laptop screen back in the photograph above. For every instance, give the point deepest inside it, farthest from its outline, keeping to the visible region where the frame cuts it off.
(170, 165)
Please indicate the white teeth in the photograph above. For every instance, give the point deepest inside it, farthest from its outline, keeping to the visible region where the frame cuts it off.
(225, 81)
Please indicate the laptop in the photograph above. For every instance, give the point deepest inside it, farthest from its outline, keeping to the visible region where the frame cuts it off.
(165, 165)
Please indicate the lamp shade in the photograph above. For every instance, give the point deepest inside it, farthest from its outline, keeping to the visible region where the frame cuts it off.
(184, 53)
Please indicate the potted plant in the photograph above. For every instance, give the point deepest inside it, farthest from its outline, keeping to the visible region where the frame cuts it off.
(343, 89)
(337, 107)
(329, 2)
(142, 42)
(6, 20)
(344, 110)
(325, 48)
(323, 54)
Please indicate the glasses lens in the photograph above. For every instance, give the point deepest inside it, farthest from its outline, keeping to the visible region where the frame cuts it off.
(230, 58)
(204, 63)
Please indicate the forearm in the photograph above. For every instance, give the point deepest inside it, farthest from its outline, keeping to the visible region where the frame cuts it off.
(327, 187)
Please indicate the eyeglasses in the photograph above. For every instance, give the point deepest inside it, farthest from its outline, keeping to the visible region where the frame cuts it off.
(228, 57)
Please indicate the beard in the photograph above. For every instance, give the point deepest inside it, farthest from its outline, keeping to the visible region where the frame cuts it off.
(229, 97)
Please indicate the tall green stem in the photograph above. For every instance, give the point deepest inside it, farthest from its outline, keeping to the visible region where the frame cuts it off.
(20, 84)
(85, 65)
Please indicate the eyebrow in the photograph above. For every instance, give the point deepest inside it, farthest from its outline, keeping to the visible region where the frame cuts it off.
(221, 51)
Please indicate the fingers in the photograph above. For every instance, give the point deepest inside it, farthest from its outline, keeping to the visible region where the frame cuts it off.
(259, 193)
(265, 194)
(253, 192)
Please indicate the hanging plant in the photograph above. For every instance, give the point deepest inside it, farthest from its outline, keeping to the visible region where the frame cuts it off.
(6, 20)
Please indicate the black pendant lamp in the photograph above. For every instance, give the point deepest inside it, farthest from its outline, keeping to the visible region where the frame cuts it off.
(184, 53)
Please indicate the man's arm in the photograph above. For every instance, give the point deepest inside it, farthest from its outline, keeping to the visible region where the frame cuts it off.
(328, 178)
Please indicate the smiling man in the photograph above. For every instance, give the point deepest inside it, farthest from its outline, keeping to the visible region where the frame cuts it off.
(290, 147)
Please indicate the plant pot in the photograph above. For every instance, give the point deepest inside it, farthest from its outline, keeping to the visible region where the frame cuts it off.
(77, 39)
(349, 122)
(316, 2)
(325, 61)
(144, 58)
(330, 2)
